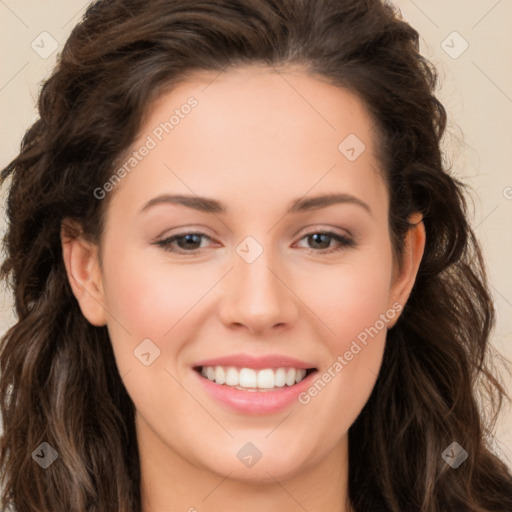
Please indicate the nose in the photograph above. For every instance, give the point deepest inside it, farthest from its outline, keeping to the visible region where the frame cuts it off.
(258, 296)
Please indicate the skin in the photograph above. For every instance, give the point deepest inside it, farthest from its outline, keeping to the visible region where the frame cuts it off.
(257, 140)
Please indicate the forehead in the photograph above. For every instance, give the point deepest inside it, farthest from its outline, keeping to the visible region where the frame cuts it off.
(257, 130)
(266, 99)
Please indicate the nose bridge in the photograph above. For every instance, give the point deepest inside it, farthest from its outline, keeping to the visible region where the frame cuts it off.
(256, 295)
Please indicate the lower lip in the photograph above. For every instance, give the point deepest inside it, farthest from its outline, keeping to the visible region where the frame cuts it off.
(256, 402)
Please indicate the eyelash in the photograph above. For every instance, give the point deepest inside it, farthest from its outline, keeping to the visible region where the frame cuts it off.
(344, 241)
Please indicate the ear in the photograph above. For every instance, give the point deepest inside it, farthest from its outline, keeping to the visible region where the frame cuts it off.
(404, 278)
(81, 259)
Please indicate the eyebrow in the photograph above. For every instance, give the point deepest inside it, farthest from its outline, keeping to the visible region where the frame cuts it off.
(208, 205)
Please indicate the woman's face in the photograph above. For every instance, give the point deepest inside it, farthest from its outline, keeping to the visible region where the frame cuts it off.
(255, 293)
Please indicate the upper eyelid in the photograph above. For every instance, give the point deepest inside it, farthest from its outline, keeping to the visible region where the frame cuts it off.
(314, 228)
(325, 230)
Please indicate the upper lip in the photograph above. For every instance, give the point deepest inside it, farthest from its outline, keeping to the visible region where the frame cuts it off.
(260, 362)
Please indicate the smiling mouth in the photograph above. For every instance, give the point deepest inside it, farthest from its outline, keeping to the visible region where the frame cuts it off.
(250, 379)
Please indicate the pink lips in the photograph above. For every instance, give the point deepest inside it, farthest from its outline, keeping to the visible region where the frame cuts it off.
(255, 402)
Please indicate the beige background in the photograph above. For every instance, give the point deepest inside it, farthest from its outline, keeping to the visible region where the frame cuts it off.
(476, 91)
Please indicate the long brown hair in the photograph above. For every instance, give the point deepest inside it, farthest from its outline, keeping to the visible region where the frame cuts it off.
(59, 380)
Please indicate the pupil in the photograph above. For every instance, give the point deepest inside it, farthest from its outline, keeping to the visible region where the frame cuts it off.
(189, 238)
(316, 237)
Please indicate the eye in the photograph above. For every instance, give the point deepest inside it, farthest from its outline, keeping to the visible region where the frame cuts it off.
(321, 241)
(190, 243)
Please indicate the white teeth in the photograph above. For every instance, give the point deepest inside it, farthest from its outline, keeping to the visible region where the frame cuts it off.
(251, 379)
(290, 376)
(248, 378)
(280, 377)
(210, 373)
(232, 377)
(220, 375)
(266, 379)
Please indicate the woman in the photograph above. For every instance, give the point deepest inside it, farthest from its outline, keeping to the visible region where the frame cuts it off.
(318, 343)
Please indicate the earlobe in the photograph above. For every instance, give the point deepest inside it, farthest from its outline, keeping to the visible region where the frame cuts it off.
(414, 248)
(81, 259)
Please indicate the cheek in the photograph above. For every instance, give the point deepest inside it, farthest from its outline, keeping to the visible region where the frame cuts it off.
(353, 298)
(153, 308)
(150, 297)
(355, 305)
(361, 301)
(155, 300)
